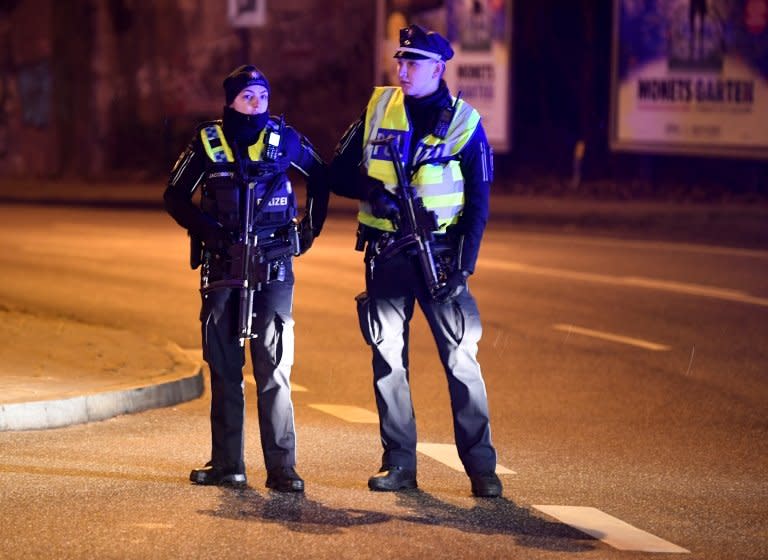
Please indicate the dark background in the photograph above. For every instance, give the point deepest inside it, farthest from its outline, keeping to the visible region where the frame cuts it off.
(103, 90)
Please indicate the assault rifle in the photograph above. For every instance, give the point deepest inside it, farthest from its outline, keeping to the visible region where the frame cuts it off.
(254, 261)
(417, 224)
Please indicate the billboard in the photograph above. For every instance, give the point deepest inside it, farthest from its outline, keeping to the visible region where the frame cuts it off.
(480, 33)
(247, 13)
(690, 77)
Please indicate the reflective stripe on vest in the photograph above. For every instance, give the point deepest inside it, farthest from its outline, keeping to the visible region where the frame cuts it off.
(215, 145)
(219, 151)
(438, 179)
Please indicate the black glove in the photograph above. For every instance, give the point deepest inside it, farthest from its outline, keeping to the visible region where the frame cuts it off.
(454, 286)
(384, 204)
(306, 234)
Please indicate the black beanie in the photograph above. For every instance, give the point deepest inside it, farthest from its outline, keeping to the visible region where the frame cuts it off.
(242, 77)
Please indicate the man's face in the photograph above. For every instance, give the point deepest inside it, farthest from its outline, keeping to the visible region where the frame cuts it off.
(419, 77)
(253, 100)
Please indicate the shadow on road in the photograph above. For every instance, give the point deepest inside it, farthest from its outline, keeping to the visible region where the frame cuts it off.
(295, 511)
(498, 516)
(490, 517)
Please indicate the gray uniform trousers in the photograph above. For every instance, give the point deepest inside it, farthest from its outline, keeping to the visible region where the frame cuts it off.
(272, 357)
(392, 289)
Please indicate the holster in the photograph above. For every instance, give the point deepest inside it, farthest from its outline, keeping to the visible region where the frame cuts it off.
(373, 239)
(195, 251)
(363, 303)
(446, 258)
(268, 264)
(360, 238)
(267, 258)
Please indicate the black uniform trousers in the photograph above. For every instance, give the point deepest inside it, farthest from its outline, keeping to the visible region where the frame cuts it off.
(272, 357)
(392, 289)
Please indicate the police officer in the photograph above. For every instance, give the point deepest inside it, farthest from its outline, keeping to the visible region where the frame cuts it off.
(449, 162)
(245, 157)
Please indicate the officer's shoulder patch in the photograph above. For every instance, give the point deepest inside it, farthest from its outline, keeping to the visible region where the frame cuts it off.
(208, 124)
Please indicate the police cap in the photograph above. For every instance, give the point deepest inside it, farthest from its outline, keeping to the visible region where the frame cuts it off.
(242, 77)
(419, 43)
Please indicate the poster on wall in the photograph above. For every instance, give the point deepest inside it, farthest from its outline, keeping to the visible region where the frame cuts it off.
(247, 13)
(690, 77)
(480, 34)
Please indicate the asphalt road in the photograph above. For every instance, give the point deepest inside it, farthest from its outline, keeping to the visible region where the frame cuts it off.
(625, 376)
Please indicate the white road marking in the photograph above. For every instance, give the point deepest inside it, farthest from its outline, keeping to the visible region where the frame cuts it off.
(612, 337)
(631, 281)
(348, 413)
(446, 454)
(609, 529)
(443, 452)
(649, 245)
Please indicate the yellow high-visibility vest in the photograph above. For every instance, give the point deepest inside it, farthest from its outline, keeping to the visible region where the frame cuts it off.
(438, 179)
(218, 149)
(283, 199)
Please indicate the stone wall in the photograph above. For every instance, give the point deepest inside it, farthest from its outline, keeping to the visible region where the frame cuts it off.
(97, 88)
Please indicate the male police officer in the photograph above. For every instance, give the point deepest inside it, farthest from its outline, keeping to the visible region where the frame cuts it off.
(449, 162)
(241, 162)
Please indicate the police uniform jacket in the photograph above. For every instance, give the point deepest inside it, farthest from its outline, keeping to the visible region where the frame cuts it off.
(206, 164)
(475, 162)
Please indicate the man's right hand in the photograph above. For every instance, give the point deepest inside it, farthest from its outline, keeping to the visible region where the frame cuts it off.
(454, 286)
(384, 204)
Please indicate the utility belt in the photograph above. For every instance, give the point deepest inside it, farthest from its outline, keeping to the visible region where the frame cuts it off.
(268, 254)
(373, 241)
(445, 248)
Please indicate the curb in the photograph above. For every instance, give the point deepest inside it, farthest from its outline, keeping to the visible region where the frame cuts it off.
(57, 413)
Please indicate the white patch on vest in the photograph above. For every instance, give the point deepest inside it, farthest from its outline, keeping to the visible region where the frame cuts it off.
(427, 152)
(275, 201)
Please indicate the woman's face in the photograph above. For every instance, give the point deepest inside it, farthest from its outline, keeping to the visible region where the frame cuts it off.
(253, 100)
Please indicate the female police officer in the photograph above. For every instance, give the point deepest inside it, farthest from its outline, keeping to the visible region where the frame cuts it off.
(245, 227)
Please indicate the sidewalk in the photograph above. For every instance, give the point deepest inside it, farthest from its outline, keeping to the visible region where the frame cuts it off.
(56, 372)
(100, 373)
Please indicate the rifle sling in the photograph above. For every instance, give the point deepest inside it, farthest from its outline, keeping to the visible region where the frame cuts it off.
(244, 177)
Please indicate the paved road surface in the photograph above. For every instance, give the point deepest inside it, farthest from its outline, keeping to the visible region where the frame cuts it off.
(623, 376)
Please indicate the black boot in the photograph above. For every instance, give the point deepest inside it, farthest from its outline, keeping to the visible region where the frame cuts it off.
(485, 485)
(392, 478)
(284, 479)
(218, 476)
